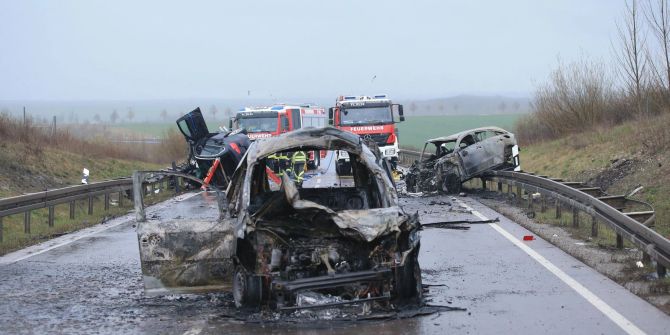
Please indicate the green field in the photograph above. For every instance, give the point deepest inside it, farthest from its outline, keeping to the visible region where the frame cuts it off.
(416, 129)
(413, 132)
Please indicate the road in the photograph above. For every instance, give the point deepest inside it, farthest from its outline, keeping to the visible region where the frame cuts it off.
(90, 282)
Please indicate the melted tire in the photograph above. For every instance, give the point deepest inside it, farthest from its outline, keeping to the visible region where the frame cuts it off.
(247, 289)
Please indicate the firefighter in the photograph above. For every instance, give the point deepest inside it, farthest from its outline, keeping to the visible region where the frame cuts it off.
(284, 163)
(299, 162)
(273, 163)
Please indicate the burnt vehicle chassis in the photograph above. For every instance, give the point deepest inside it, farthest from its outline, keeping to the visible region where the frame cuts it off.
(272, 245)
(460, 157)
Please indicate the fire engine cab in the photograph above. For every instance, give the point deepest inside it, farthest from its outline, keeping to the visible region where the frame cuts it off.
(372, 118)
(262, 122)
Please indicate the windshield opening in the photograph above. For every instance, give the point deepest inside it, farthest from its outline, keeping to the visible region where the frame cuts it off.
(258, 124)
(366, 115)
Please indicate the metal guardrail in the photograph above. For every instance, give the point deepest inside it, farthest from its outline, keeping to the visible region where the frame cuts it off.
(609, 209)
(140, 178)
(407, 157)
(50, 198)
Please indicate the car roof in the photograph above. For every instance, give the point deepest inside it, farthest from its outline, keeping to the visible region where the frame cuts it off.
(326, 138)
(458, 135)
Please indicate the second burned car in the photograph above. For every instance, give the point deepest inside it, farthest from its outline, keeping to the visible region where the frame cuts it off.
(446, 162)
(277, 240)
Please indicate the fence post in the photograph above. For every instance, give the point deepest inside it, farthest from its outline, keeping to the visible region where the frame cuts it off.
(51, 216)
(175, 179)
(594, 227)
(138, 190)
(575, 217)
(72, 205)
(90, 205)
(26, 222)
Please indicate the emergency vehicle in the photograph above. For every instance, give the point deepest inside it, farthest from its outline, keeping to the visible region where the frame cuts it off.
(372, 118)
(262, 122)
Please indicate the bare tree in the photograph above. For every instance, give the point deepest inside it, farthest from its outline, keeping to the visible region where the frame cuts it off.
(658, 18)
(114, 116)
(412, 107)
(164, 115)
(96, 118)
(631, 58)
(130, 115)
(502, 107)
(213, 110)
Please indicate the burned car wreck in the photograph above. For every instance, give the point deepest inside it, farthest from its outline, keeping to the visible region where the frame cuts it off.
(446, 162)
(277, 239)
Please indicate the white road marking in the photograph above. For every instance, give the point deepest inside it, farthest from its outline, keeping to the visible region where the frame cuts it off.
(64, 240)
(602, 306)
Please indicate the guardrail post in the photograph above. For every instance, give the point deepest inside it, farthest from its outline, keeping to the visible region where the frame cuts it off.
(543, 203)
(138, 190)
(106, 201)
(2, 227)
(90, 205)
(500, 187)
(120, 199)
(483, 184)
(519, 193)
(72, 205)
(26, 222)
(594, 227)
(175, 179)
(530, 201)
(51, 216)
(575, 217)
(558, 209)
(661, 271)
(153, 188)
(619, 241)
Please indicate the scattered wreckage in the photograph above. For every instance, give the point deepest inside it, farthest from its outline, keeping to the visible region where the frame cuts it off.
(446, 162)
(212, 156)
(277, 241)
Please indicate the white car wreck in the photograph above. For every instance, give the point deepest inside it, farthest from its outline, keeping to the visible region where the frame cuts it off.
(277, 238)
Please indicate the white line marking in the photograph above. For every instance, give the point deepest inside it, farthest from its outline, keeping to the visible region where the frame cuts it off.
(58, 242)
(602, 306)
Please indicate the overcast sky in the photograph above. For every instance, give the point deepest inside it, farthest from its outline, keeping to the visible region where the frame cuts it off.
(81, 50)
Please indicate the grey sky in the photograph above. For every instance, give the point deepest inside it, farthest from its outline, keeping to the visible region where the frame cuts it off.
(62, 50)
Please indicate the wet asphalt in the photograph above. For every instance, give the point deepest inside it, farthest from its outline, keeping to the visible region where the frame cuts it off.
(94, 285)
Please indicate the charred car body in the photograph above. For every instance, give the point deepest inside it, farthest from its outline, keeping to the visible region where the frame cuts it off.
(446, 162)
(215, 153)
(276, 240)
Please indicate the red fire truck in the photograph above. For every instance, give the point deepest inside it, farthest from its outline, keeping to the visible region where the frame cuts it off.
(262, 122)
(371, 118)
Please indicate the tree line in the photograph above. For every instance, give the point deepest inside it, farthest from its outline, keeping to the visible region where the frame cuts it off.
(585, 94)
